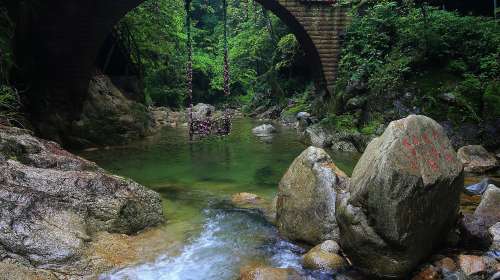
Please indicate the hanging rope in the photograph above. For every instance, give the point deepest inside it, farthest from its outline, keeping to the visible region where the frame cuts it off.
(245, 7)
(189, 67)
(227, 90)
(209, 125)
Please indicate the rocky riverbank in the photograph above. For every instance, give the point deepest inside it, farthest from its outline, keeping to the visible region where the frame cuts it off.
(404, 213)
(342, 134)
(59, 210)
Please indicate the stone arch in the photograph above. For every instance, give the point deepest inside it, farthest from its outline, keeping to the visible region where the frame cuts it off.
(62, 39)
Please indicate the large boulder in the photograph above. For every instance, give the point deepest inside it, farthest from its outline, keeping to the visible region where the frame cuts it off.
(108, 117)
(403, 198)
(53, 202)
(306, 198)
(476, 159)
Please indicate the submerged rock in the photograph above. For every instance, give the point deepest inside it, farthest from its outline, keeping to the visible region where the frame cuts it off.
(245, 198)
(476, 159)
(403, 198)
(53, 202)
(324, 256)
(255, 272)
(252, 201)
(306, 198)
(264, 130)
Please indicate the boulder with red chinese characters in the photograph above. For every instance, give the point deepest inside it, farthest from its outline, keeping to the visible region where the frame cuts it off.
(403, 198)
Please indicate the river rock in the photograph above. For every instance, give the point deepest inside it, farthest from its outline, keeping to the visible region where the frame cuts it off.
(324, 256)
(14, 271)
(304, 120)
(489, 208)
(303, 116)
(346, 141)
(478, 188)
(160, 117)
(271, 113)
(264, 130)
(470, 264)
(252, 201)
(494, 232)
(446, 265)
(53, 202)
(476, 159)
(318, 136)
(202, 111)
(256, 272)
(306, 198)
(428, 273)
(403, 198)
(245, 198)
(108, 117)
(475, 226)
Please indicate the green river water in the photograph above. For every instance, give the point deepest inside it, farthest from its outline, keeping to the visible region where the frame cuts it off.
(194, 180)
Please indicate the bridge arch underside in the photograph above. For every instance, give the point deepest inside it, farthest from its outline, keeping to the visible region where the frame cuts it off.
(58, 42)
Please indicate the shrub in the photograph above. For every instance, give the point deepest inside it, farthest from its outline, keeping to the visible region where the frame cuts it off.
(392, 48)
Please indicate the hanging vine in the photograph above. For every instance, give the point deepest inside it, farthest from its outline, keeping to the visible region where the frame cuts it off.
(189, 67)
(209, 124)
(227, 90)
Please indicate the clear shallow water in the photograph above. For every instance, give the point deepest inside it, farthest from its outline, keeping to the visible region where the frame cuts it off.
(194, 180)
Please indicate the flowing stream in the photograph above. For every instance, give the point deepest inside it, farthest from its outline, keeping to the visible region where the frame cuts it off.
(196, 181)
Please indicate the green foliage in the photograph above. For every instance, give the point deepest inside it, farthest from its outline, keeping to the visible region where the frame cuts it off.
(264, 56)
(394, 47)
(302, 102)
(287, 49)
(6, 55)
(371, 126)
(10, 105)
(492, 100)
(158, 28)
(343, 122)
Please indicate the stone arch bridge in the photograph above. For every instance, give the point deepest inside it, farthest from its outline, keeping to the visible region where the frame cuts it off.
(57, 42)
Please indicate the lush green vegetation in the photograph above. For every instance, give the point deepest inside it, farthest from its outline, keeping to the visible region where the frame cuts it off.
(9, 98)
(419, 58)
(398, 58)
(266, 62)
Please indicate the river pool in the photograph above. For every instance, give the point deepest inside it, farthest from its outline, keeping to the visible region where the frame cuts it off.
(196, 180)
